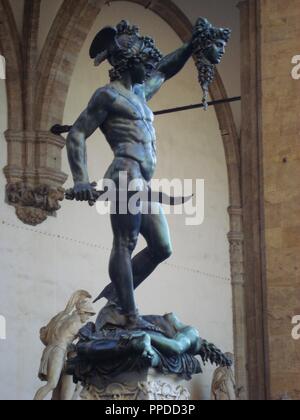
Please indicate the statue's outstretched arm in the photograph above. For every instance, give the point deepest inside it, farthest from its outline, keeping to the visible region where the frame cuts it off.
(173, 63)
(169, 66)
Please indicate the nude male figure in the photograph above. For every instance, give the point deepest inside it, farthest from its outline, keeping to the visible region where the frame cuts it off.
(121, 112)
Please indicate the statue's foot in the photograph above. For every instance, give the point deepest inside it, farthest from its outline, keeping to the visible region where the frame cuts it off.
(108, 293)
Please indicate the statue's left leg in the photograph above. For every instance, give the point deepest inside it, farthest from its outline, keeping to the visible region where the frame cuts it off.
(55, 367)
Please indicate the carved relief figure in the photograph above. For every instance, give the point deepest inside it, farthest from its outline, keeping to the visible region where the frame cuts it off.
(223, 384)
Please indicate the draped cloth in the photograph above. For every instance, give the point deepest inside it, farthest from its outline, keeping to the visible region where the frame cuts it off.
(48, 355)
(105, 354)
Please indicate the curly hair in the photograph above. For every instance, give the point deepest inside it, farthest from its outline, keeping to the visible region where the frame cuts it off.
(205, 34)
(131, 49)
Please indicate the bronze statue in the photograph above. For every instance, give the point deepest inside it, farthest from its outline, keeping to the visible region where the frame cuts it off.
(106, 349)
(121, 112)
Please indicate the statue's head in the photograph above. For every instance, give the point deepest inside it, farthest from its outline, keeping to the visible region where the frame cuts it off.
(127, 51)
(211, 41)
(209, 47)
(85, 310)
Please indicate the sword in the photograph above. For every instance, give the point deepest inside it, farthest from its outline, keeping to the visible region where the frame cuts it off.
(151, 196)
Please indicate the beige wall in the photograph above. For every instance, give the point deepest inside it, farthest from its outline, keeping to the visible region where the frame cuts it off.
(41, 267)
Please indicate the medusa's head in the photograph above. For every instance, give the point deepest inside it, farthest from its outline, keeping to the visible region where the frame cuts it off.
(210, 41)
(209, 45)
(127, 51)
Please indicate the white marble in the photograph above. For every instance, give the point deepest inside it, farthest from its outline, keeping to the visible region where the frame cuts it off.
(147, 386)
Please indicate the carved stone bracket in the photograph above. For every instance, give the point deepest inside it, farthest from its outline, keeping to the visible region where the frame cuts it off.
(33, 174)
(236, 241)
(34, 204)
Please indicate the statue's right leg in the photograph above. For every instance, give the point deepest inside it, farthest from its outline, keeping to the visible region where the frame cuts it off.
(126, 229)
(55, 367)
(66, 388)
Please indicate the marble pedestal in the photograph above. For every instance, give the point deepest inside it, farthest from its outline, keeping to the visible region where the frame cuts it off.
(149, 385)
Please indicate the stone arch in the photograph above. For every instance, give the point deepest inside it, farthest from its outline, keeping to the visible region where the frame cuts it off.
(54, 71)
(10, 47)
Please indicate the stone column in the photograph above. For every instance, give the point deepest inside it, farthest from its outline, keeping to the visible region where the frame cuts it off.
(236, 241)
(252, 179)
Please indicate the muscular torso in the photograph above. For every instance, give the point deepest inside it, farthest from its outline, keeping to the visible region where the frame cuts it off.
(62, 331)
(129, 129)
